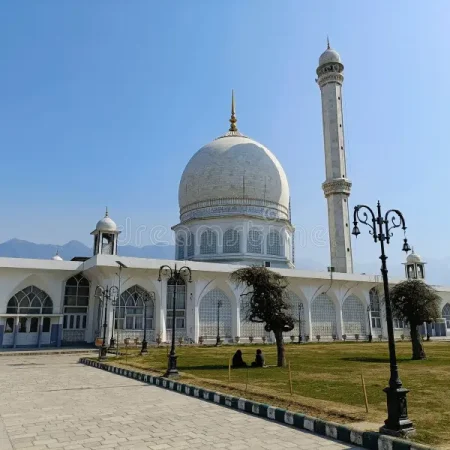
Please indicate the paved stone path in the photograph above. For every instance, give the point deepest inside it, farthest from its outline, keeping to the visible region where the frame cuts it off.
(52, 402)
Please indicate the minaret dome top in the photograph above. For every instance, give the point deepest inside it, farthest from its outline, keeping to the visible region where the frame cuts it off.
(329, 56)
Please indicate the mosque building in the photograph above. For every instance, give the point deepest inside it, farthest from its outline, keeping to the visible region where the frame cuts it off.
(235, 210)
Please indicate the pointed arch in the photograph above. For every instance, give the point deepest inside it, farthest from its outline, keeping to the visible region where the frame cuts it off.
(375, 308)
(208, 242)
(354, 316)
(446, 314)
(254, 241)
(75, 309)
(30, 300)
(323, 316)
(298, 313)
(231, 241)
(215, 315)
(136, 304)
(180, 307)
(274, 243)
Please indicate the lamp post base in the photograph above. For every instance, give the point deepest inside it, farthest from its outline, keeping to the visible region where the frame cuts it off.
(112, 344)
(102, 353)
(300, 339)
(172, 371)
(144, 347)
(370, 338)
(397, 423)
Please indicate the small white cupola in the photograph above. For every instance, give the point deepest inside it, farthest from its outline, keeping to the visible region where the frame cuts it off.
(105, 236)
(57, 257)
(414, 267)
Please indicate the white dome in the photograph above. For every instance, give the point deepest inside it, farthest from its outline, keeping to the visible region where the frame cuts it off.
(412, 258)
(106, 224)
(329, 56)
(231, 173)
(57, 258)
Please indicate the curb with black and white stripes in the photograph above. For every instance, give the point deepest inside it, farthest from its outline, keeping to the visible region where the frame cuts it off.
(367, 439)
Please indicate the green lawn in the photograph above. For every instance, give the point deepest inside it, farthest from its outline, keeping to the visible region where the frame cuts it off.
(326, 380)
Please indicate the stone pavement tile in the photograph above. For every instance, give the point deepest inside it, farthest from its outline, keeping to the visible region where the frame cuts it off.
(74, 407)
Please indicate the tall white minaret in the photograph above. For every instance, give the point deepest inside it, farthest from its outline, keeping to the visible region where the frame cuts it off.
(336, 186)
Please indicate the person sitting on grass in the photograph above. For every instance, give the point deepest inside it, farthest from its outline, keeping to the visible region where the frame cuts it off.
(259, 359)
(238, 361)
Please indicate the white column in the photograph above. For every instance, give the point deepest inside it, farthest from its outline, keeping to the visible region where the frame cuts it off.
(160, 315)
(308, 321)
(339, 322)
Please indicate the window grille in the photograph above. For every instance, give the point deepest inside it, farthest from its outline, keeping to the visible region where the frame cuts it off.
(30, 300)
(208, 309)
(180, 247)
(375, 310)
(180, 309)
(130, 311)
(296, 312)
(254, 241)
(323, 316)
(274, 244)
(208, 243)
(253, 329)
(446, 314)
(191, 246)
(231, 241)
(354, 316)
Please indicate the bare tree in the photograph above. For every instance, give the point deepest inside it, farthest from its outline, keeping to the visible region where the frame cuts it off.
(267, 302)
(415, 302)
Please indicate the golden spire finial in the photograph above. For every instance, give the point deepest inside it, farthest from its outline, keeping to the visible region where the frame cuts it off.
(233, 119)
(328, 43)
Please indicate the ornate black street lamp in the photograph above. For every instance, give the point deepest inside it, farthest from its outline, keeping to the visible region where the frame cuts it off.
(370, 324)
(146, 297)
(397, 422)
(175, 276)
(106, 295)
(219, 305)
(300, 313)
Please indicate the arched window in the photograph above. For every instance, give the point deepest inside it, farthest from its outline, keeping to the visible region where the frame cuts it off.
(323, 316)
(250, 329)
(215, 310)
(76, 303)
(191, 246)
(354, 316)
(30, 300)
(208, 243)
(180, 306)
(446, 314)
(254, 241)
(375, 309)
(130, 311)
(231, 241)
(296, 310)
(180, 246)
(274, 244)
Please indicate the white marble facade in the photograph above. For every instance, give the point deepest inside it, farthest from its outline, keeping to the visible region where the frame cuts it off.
(346, 306)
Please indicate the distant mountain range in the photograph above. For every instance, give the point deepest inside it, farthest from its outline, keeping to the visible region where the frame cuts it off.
(16, 248)
(437, 270)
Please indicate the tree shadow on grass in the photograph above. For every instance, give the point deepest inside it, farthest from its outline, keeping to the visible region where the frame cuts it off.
(371, 359)
(207, 367)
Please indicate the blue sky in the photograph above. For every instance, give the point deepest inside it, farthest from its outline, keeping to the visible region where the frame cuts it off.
(104, 102)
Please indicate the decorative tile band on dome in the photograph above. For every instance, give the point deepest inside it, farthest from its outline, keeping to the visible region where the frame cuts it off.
(234, 206)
